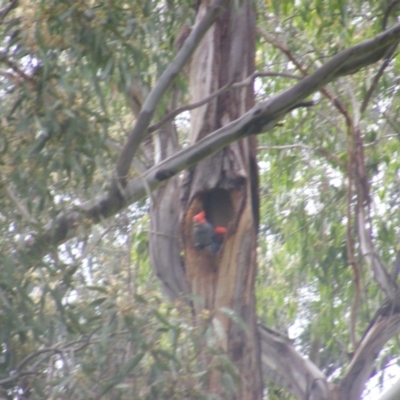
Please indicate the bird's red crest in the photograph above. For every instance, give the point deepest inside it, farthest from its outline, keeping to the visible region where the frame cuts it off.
(220, 230)
(200, 218)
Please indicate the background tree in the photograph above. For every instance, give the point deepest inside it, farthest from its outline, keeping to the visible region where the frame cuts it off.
(80, 310)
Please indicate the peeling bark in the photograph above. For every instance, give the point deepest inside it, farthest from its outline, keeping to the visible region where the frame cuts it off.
(225, 187)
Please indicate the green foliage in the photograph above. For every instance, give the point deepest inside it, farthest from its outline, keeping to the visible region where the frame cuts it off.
(101, 330)
(141, 347)
(69, 68)
(306, 283)
(88, 319)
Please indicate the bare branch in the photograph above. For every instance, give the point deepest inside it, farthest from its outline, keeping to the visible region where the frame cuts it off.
(171, 115)
(353, 59)
(381, 275)
(275, 74)
(286, 367)
(389, 9)
(139, 131)
(136, 163)
(164, 235)
(353, 66)
(378, 76)
(384, 326)
(261, 118)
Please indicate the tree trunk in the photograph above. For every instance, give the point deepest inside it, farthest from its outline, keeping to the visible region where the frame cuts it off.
(165, 249)
(225, 186)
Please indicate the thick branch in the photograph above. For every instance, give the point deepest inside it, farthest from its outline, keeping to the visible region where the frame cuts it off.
(381, 276)
(352, 59)
(347, 61)
(261, 118)
(285, 366)
(347, 68)
(383, 328)
(393, 393)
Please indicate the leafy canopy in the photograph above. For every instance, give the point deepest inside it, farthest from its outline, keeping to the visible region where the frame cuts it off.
(68, 79)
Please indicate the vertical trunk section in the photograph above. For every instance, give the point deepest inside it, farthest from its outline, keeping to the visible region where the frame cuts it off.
(225, 186)
(165, 248)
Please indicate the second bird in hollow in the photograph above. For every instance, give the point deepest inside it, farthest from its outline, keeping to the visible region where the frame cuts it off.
(206, 237)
